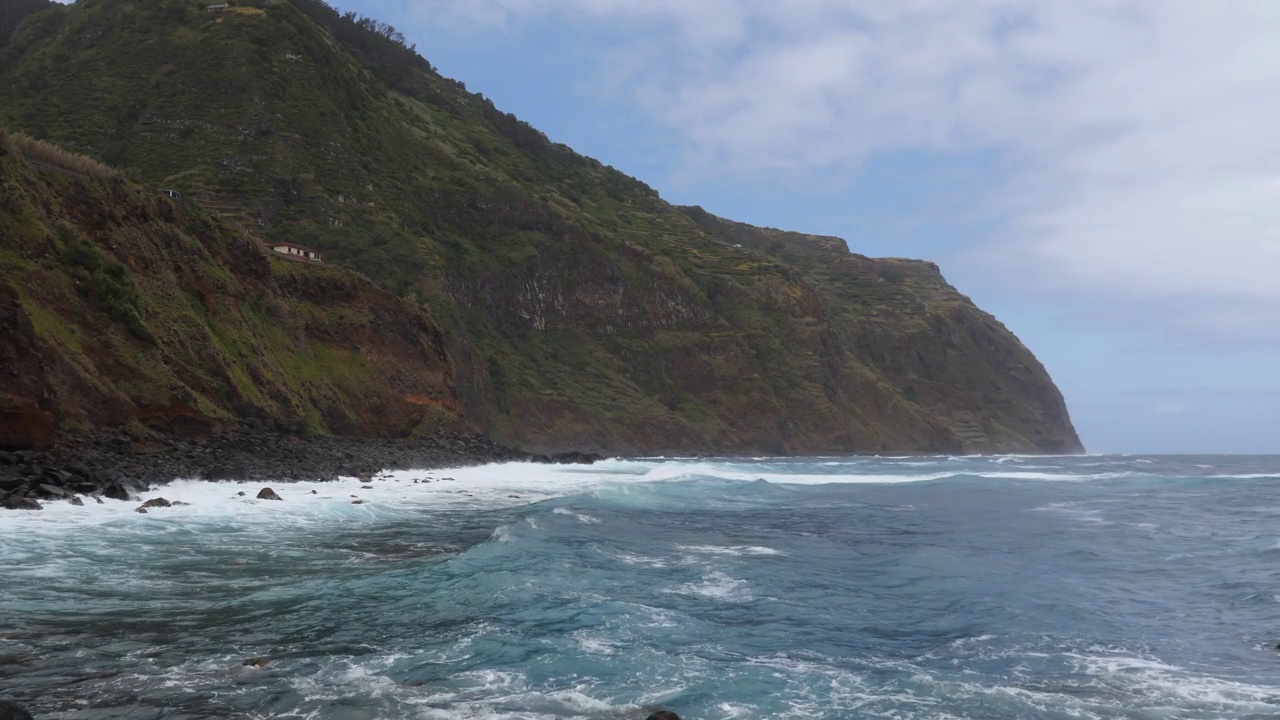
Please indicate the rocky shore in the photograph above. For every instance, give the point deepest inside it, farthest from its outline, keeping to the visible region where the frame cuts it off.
(121, 466)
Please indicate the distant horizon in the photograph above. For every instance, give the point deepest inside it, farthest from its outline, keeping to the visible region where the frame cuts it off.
(1033, 168)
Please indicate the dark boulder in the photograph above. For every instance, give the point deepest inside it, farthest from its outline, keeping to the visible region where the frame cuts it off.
(52, 490)
(156, 503)
(116, 491)
(77, 502)
(13, 501)
(357, 502)
(13, 711)
(268, 494)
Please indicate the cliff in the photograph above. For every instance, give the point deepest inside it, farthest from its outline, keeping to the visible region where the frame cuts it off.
(120, 308)
(575, 308)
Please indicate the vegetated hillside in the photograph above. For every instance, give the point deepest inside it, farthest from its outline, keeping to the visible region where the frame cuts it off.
(122, 308)
(580, 310)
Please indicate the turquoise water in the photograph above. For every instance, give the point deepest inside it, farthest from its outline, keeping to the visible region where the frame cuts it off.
(1010, 587)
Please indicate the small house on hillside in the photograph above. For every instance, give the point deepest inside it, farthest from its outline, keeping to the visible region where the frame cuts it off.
(301, 252)
(171, 193)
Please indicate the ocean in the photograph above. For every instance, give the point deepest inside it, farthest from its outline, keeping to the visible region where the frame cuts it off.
(924, 587)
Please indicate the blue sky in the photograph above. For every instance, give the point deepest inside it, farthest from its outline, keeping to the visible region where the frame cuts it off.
(1102, 175)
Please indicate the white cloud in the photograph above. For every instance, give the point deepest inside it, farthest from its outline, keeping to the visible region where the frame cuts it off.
(1142, 135)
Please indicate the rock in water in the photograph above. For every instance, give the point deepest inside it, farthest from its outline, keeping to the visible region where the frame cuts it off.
(268, 494)
(155, 503)
(77, 501)
(357, 502)
(13, 711)
(366, 487)
(13, 501)
(141, 511)
(115, 491)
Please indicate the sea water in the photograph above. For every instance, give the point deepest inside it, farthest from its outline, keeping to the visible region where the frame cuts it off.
(994, 587)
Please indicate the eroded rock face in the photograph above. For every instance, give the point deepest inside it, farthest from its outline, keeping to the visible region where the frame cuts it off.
(26, 428)
(268, 494)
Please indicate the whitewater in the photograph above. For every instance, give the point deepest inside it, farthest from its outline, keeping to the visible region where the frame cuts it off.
(917, 587)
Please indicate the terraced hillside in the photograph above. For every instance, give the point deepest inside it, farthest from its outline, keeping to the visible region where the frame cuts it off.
(578, 309)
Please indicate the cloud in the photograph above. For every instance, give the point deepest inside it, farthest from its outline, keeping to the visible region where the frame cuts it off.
(1142, 164)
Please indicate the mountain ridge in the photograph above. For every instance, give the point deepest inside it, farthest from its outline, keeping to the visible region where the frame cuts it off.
(576, 308)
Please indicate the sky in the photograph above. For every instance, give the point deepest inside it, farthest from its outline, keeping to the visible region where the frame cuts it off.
(1101, 175)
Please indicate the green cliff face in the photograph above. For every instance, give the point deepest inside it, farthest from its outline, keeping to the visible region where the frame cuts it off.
(577, 308)
(122, 308)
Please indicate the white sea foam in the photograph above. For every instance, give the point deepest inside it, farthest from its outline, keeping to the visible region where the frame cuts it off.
(734, 551)
(580, 517)
(720, 586)
(396, 493)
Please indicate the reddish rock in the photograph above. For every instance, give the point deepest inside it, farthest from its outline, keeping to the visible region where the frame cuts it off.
(26, 428)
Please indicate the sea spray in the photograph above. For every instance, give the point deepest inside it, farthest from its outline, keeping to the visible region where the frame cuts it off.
(1003, 587)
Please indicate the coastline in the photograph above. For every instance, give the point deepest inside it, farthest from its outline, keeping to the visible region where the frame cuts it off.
(122, 466)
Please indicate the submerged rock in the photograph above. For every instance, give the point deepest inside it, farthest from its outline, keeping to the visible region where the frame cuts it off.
(141, 511)
(156, 503)
(366, 487)
(268, 494)
(256, 663)
(179, 503)
(77, 501)
(357, 502)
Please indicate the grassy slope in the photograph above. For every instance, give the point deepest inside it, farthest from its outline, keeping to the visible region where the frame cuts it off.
(578, 306)
(125, 308)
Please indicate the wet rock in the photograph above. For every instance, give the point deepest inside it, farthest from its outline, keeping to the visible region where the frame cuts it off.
(13, 711)
(357, 502)
(13, 501)
(77, 501)
(78, 468)
(141, 511)
(179, 503)
(267, 493)
(313, 492)
(366, 487)
(156, 503)
(240, 494)
(256, 663)
(52, 490)
(116, 491)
